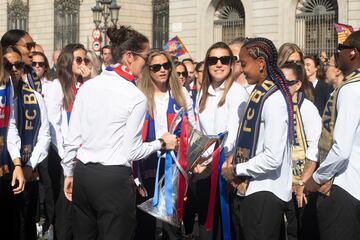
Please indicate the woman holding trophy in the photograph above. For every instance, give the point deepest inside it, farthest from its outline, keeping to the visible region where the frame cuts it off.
(219, 107)
(165, 97)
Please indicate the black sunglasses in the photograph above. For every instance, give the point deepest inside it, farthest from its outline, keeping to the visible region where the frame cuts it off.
(157, 67)
(79, 60)
(9, 66)
(225, 60)
(292, 82)
(184, 74)
(41, 64)
(343, 47)
(30, 45)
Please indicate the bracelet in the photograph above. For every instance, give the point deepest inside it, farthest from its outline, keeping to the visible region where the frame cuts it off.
(17, 165)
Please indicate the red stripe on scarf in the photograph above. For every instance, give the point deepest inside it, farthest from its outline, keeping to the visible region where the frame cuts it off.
(145, 130)
(124, 72)
(213, 187)
(4, 122)
(182, 160)
(170, 118)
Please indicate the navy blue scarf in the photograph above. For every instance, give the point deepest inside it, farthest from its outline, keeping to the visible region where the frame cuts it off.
(29, 120)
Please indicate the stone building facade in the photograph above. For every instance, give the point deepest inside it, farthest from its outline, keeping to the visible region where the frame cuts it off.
(199, 23)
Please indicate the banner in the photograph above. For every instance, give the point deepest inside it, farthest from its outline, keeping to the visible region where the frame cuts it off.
(175, 47)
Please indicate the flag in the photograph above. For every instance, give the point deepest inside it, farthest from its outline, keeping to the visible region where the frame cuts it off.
(175, 47)
(343, 31)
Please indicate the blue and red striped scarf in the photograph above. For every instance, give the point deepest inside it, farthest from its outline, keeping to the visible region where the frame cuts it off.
(74, 89)
(5, 100)
(123, 71)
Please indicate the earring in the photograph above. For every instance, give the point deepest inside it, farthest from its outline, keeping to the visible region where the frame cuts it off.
(261, 70)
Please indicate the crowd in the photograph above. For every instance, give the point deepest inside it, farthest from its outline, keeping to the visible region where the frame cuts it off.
(83, 142)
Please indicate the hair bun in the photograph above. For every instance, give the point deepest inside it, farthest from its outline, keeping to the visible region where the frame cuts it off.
(119, 35)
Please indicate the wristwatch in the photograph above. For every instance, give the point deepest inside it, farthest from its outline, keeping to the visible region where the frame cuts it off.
(163, 143)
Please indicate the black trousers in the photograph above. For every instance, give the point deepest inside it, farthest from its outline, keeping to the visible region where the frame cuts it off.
(261, 215)
(104, 202)
(27, 202)
(236, 231)
(339, 215)
(9, 210)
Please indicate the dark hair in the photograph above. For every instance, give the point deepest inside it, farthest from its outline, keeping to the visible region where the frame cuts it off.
(11, 37)
(238, 40)
(264, 48)
(300, 74)
(354, 39)
(206, 81)
(47, 73)
(188, 60)
(198, 66)
(125, 39)
(104, 47)
(65, 73)
(187, 83)
(320, 73)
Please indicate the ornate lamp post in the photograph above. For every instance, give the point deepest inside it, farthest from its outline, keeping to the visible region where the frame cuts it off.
(101, 11)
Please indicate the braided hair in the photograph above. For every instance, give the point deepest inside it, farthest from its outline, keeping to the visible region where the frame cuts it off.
(262, 47)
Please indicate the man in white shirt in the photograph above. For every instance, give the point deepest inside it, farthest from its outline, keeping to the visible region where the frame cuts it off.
(339, 172)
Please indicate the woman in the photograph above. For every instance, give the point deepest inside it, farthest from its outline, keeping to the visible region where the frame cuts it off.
(182, 73)
(305, 149)
(25, 44)
(59, 96)
(290, 53)
(165, 96)
(93, 63)
(262, 154)
(104, 137)
(315, 76)
(219, 108)
(12, 179)
(28, 138)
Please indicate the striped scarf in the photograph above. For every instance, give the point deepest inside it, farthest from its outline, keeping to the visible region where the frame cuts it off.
(5, 100)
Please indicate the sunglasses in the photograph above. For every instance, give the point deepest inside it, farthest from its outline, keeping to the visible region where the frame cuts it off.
(225, 60)
(236, 58)
(9, 66)
(294, 62)
(41, 64)
(141, 55)
(343, 47)
(292, 82)
(79, 60)
(157, 67)
(184, 74)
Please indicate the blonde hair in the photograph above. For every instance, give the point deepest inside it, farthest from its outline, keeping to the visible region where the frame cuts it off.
(286, 50)
(94, 60)
(206, 81)
(3, 75)
(146, 84)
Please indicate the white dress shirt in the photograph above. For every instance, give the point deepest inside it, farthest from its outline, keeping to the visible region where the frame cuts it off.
(342, 161)
(106, 124)
(312, 126)
(41, 147)
(160, 115)
(214, 119)
(270, 169)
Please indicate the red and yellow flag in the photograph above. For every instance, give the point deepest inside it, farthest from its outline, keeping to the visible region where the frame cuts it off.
(343, 31)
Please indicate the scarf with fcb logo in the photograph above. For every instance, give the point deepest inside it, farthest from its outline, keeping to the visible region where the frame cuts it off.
(29, 120)
(123, 71)
(33, 79)
(5, 99)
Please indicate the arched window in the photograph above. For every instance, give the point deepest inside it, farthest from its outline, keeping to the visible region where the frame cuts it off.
(66, 22)
(314, 26)
(229, 21)
(160, 22)
(18, 14)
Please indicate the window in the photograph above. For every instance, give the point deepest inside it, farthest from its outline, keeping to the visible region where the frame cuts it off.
(314, 26)
(160, 22)
(18, 14)
(229, 21)
(66, 22)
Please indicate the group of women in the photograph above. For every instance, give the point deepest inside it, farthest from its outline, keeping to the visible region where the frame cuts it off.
(262, 126)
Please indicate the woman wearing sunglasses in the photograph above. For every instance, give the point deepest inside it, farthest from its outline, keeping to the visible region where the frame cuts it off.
(307, 125)
(182, 73)
(11, 178)
(28, 140)
(165, 96)
(219, 108)
(25, 44)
